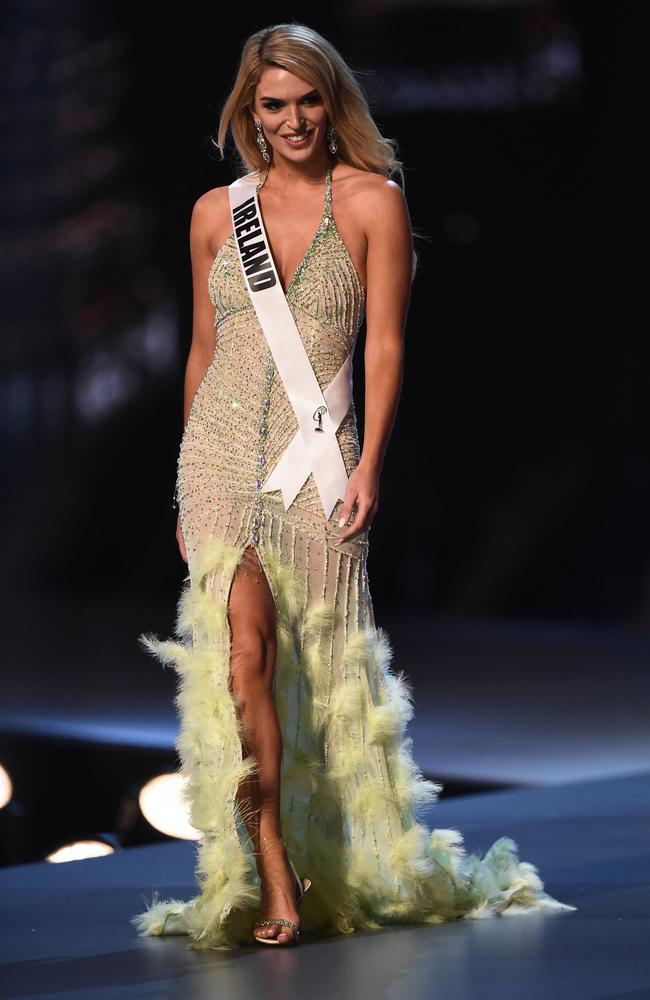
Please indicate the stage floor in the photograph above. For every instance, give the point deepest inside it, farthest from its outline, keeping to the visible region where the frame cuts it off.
(66, 933)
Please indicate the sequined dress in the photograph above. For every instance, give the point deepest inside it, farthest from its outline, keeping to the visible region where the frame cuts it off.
(352, 795)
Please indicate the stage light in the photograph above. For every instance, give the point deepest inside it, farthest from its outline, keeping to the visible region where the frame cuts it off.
(163, 805)
(78, 850)
(6, 787)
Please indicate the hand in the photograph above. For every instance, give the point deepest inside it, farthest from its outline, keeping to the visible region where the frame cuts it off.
(362, 490)
(180, 539)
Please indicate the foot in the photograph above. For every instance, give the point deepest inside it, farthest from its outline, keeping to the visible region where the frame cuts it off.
(279, 892)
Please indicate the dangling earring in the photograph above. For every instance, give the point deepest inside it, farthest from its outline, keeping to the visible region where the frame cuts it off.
(261, 142)
(331, 136)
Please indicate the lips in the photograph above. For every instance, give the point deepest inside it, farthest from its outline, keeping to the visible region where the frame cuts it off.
(296, 139)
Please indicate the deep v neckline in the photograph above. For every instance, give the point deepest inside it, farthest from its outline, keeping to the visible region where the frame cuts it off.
(324, 220)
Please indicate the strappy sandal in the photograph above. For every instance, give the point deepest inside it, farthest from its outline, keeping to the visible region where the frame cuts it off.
(301, 886)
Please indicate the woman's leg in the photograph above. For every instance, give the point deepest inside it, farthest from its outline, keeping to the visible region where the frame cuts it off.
(251, 612)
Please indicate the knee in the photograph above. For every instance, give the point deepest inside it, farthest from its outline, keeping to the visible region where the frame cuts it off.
(252, 666)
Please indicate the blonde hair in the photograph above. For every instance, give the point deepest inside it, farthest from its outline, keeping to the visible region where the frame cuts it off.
(304, 52)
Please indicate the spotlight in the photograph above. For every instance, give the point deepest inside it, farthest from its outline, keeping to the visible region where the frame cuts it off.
(6, 787)
(163, 805)
(78, 850)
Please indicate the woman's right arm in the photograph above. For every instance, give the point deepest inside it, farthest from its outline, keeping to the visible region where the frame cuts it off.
(202, 228)
(204, 223)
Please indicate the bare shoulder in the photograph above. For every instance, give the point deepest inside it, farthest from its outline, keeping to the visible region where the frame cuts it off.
(371, 196)
(363, 182)
(211, 221)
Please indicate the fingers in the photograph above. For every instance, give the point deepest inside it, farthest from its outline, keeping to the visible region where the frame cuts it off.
(346, 515)
(346, 510)
(361, 522)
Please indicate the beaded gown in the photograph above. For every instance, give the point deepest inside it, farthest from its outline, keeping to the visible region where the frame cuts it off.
(352, 796)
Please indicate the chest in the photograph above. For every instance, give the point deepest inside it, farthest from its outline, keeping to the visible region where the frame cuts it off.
(292, 228)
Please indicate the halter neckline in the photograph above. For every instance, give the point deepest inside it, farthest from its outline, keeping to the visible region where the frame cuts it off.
(323, 225)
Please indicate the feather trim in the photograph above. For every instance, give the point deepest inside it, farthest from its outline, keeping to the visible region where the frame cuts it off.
(351, 789)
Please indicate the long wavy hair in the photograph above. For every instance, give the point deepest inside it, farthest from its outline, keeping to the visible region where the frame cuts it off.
(304, 52)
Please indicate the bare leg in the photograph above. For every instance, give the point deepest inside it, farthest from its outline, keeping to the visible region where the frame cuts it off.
(251, 613)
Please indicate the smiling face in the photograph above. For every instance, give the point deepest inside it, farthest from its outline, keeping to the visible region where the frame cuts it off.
(290, 106)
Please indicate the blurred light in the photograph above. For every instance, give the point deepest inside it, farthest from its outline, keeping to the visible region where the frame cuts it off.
(547, 76)
(160, 342)
(93, 728)
(6, 787)
(104, 384)
(163, 805)
(78, 850)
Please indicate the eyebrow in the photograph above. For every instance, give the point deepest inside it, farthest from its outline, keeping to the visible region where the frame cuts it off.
(308, 94)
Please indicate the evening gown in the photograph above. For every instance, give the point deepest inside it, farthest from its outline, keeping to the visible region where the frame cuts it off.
(352, 796)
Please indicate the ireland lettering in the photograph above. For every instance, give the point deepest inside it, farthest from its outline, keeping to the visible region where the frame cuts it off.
(253, 251)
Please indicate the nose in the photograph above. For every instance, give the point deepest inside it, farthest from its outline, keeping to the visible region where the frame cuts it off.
(294, 117)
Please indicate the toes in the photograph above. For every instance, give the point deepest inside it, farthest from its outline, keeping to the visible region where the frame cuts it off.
(269, 931)
(278, 931)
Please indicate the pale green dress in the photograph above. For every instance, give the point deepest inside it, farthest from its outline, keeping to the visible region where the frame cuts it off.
(352, 795)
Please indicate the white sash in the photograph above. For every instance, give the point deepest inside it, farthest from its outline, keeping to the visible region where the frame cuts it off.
(315, 447)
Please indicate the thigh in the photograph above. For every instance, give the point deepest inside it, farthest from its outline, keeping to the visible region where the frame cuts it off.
(251, 612)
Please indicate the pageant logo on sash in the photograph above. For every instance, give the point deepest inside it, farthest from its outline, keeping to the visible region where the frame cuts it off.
(315, 410)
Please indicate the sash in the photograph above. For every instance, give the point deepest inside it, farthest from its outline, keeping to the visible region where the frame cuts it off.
(314, 448)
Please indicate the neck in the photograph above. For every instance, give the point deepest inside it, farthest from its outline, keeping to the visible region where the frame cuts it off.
(284, 173)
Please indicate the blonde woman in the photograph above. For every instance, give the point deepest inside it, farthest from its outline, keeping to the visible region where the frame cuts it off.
(292, 720)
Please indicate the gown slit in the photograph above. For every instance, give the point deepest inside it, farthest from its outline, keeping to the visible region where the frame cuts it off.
(247, 810)
(352, 795)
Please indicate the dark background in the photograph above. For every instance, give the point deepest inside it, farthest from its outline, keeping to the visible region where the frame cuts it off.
(516, 483)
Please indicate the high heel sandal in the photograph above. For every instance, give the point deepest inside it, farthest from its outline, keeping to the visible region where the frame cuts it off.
(301, 885)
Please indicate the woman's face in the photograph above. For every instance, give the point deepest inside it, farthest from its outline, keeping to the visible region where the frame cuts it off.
(287, 105)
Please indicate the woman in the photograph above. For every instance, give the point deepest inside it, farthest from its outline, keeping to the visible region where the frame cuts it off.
(292, 733)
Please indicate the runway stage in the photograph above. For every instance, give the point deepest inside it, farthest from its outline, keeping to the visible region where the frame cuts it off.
(66, 931)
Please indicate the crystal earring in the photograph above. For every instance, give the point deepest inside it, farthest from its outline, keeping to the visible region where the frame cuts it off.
(261, 142)
(331, 136)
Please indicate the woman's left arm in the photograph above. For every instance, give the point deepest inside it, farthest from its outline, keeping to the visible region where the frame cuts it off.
(389, 270)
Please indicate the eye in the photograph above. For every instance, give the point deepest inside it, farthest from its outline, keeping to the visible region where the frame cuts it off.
(274, 105)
